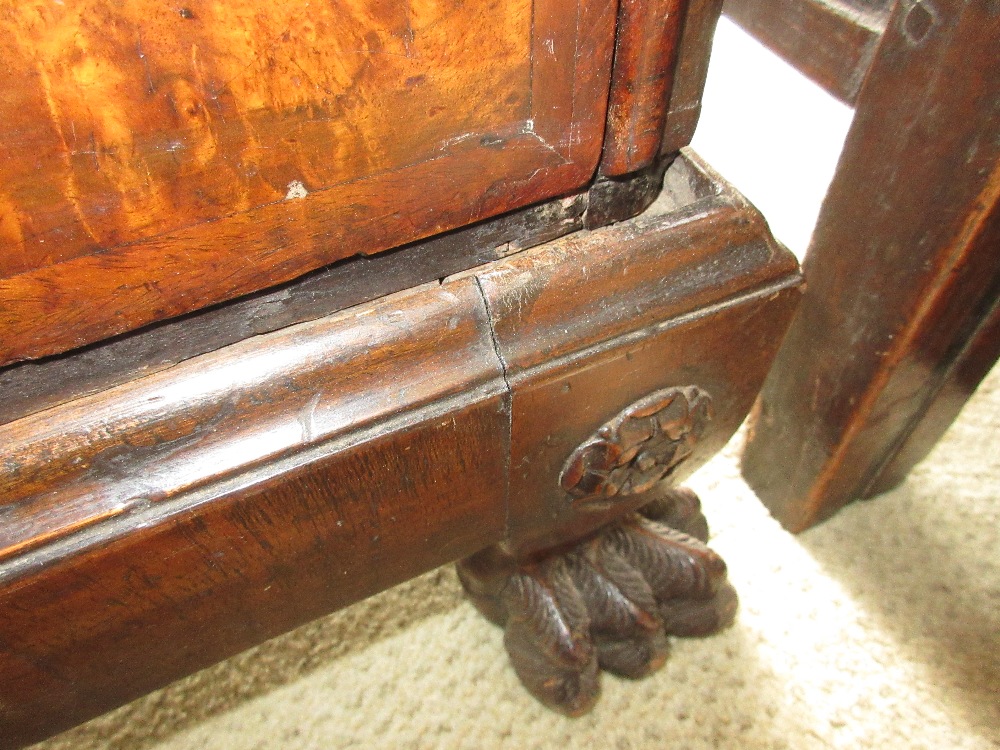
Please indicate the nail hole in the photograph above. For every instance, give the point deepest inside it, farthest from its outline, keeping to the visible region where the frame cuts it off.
(918, 23)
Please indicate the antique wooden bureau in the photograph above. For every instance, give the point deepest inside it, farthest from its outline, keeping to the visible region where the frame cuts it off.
(299, 300)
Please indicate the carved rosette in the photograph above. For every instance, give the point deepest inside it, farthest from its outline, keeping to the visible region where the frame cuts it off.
(639, 447)
(610, 599)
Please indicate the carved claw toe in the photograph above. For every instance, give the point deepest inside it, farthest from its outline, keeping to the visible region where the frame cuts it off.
(680, 509)
(608, 602)
(547, 634)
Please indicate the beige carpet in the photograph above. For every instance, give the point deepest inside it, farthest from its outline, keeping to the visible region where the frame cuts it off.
(880, 629)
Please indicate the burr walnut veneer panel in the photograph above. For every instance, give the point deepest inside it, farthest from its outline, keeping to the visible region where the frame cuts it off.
(157, 158)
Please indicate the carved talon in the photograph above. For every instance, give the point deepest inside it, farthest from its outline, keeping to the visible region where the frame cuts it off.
(680, 509)
(609, 601)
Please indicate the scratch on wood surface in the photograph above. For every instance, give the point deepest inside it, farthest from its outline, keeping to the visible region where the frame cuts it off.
(307, 418)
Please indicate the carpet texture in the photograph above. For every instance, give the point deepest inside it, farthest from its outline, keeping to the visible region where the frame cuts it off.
(880, 628)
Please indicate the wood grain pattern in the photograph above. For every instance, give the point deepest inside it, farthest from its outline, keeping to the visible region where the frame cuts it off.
(646, 51)
(187, 159)
(34, 385)
(94, 296)
(186, 516)
(142, 118)
(831, 41)
(902, 267)
(180, 590)
(156, 527)
(68, 468)
(572, 48)
(690, 73)
(697, 296)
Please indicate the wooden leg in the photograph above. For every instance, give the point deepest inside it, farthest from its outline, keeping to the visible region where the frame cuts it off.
(902, 273)
(607, 601)
(631, 569)
(830, 41)
(579, 581)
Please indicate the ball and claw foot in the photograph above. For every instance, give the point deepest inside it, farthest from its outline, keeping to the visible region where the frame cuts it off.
(609, 601)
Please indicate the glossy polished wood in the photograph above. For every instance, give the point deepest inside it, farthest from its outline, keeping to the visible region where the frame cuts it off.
(143, 118)
(903, 273)
(34, 385)
(166, 523)
(161, 436)
(690, 73)
(226, 469)
(160, 159)
(646, 51)
(658, 302)
(162, 525)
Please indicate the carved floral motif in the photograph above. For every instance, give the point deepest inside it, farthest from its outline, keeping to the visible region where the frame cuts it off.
(611, 599)
(639, 447)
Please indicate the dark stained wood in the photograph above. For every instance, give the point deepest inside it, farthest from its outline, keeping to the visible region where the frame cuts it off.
(159, 437)
(607, 601)
(902, 271)
(699, 296)
(158, 162)
(957, 385)
(641, 80)
(34, 385)
(689, 74)
(614, 199)
(638, 448)
(181, 590)
(831, 41)
(541, 516)
(208, 446)
(38, 384)
(158, 526)
(627, 369)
